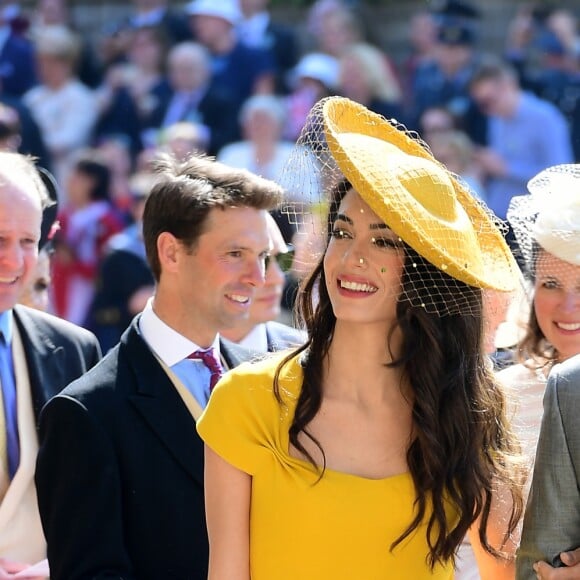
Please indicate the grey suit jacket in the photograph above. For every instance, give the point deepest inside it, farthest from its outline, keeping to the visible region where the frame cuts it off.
(281, 337)
(552, 518)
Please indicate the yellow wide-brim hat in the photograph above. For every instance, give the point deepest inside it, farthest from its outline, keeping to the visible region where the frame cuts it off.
(417, 197)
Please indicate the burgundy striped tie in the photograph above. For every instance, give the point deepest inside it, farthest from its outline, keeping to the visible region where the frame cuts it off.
(210, 360)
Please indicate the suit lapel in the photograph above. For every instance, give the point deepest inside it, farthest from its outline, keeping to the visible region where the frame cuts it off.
(44, 359)
(158, 402)
(161, 406)
(233, 354)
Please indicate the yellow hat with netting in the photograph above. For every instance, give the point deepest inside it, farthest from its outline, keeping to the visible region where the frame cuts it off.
(431, 210)
(417, 197)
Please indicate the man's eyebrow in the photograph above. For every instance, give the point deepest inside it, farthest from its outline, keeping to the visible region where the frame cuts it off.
(344, 218)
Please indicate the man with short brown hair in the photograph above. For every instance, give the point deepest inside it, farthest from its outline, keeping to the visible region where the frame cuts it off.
(120, 469)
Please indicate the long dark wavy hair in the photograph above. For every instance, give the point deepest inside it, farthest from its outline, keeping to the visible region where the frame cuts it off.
(462, 444)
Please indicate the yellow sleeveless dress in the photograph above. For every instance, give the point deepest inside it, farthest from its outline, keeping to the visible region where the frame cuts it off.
(340, 528)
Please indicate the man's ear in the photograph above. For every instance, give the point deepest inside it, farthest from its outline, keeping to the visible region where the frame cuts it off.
(168, 248)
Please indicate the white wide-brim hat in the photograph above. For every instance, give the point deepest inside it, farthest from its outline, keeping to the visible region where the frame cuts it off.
(549, 216)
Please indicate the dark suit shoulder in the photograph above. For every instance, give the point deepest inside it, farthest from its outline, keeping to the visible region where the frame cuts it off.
(52, 325)
(234, 354)
(282, 336)
(98, 381)
(128, 369)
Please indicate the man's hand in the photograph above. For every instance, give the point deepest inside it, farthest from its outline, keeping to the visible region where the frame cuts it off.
(570, 572)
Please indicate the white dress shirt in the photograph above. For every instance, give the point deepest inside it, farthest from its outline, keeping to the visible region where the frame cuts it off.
(173, 349)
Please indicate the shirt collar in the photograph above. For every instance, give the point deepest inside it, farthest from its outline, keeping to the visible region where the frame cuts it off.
(149, 18)
(170, 346)
(6, 322)
(256, 339)
(254, 28)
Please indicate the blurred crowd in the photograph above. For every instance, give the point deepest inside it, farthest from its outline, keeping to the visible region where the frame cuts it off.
(228, 78)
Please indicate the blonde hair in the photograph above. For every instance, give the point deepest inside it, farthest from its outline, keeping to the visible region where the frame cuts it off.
(58, 41)
(459, 143)
(376, 70)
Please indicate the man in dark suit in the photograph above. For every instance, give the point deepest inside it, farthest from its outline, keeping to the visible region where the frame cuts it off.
(120, 468)
(39, 356)
(261, 332)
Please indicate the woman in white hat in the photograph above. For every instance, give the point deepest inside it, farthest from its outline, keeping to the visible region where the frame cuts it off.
(546, 224)
(371, 451)
(547, 227)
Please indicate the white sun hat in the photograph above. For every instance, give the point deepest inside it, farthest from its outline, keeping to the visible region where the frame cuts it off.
(549, 217)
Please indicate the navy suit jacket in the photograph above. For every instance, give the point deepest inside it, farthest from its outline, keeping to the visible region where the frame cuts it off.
(120, 472)
(17, 66)
(216, 109)
(57, 352)
(282, 41)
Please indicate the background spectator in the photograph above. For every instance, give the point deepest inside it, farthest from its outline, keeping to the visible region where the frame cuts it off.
(526, 134)
(57, 12)
(116, 36)
(258, 28)
(366, 77)
(195, 98)
(436, 119)
(63, 108)
(135, 88)
(237, 69)
(456, 151)
(444, 81)
(124, 282)
(183, 139)
(261, 331)
(422, 44)
(263, 151)
(115, 151)
(333, 27)
(87, 221)
(17, 58)
(315, 76)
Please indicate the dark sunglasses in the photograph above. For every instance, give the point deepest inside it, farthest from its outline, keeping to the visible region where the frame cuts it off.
(284, 259)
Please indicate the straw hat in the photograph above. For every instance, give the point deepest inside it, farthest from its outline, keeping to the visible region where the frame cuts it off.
(422, 202)
(549, 216)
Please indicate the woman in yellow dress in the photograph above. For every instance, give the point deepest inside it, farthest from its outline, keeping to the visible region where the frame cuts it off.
(371, 451)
